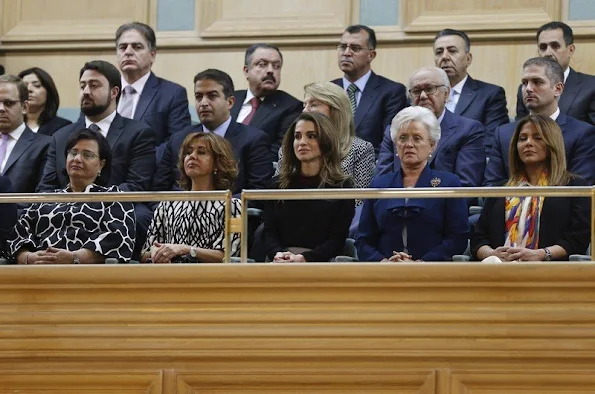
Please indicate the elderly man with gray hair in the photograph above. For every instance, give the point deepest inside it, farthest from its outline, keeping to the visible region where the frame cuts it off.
(460, 149)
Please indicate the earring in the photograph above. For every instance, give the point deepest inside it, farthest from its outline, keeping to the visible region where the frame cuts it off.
(430, 156)
(397, 154)
(215, 172)
(99, 173)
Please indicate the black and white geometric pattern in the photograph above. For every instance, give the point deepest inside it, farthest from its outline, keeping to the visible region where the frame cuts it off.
(194, 223)
(107, 228)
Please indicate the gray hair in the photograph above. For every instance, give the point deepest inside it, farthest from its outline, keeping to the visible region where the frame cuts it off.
(441, 73)
(415, 114)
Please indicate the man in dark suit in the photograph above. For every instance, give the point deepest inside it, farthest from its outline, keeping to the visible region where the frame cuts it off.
(213, 91)
(22, 152)
(263, 105)
(8, 217)
(460, 149)
(132, 142)
(471, 98)
(555, 40)
(375, 100)
(161, 104)
(542, 83)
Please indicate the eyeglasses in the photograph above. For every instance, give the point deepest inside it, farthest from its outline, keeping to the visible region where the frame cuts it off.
(430, 89)
(9, 103)
(85, 154)
(415, 139)
(354, 48)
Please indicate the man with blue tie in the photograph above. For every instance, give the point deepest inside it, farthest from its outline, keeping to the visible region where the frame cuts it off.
(159, 103)
(460, 149)
(469, 97)
(542, 85)
(375, 100)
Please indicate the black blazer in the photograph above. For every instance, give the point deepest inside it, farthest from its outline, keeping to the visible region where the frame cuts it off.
(577, 100)
(250, 149)
(53, 125)
(26, 161)
(381, 100)
(274, 116)
(133, 156)
(564, 221)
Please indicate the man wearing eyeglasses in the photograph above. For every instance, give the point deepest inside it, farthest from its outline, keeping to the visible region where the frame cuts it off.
(22, 152)
(469, 97)
(375, 100)
(460, 149)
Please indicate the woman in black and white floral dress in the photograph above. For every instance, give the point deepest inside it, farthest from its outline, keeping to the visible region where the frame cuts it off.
(194, 231)
(73, 233)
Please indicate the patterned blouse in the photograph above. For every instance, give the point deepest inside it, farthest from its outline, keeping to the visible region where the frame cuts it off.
(107, 228)
(359, 163)
(193, 223)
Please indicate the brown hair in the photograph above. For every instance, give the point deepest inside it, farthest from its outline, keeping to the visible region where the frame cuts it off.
(224, 164)
(556, 156)
(328, 139)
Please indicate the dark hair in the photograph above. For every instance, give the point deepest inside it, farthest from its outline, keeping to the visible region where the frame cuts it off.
(52, 102)
(566, 31)
(224, 164)
(221, 77)
(20, 84)
(453, 32)
(252, 48)
(371, 33)
(145, 30)
(105, 152)
(553, 70)
(108, 70)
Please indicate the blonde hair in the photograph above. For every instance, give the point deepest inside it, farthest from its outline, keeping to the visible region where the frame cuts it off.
(550, 133)
(341, 115)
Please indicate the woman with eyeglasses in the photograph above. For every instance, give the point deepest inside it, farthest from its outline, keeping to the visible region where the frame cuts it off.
(81, 232)
(413, 229)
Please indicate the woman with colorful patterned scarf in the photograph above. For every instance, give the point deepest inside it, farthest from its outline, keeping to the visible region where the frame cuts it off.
(534, 228)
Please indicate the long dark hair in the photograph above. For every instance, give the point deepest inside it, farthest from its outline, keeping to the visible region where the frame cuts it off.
(52, 102)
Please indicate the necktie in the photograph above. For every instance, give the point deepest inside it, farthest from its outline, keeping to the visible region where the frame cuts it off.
(95, 128)
(127, 102)
(451, 105)
(255, 103)
(351, 91)
(3, 145)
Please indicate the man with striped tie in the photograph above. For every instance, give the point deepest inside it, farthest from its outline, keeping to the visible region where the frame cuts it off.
(375, 100)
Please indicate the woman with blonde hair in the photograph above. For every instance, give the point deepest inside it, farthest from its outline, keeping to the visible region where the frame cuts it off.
(308, 230)
(356, 155)
(193, 231)
(534, 228)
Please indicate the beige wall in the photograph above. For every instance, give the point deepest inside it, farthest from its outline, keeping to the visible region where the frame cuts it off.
(34, 38)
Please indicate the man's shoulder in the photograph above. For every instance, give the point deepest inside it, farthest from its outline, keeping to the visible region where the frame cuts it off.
(167, 85)
(485, 86)
(464, 122)
(386, 83)
(575, 126)
(283, 96)
(250, 131)
(65, 131)
(587, 78)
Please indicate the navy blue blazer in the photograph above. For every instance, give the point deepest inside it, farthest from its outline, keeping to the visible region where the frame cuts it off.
(163, 106)
(250, 149)
(484, 102)
(53, 125)
(274, 116)
(437, 228)
(577, 99)
(133, 156)
(8, 215)
(579, 142)
(460, 150)
(381, 100)
(27, 160)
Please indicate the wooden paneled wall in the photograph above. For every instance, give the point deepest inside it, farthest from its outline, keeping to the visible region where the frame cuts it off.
(60, 35)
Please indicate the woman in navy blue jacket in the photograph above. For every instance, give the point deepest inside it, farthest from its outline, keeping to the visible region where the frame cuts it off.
(413, 229)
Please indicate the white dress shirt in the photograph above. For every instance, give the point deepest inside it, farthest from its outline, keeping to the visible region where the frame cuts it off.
(104, 124)
(246, 106)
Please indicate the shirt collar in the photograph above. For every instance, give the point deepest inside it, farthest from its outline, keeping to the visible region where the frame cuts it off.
(555, 115)
(16, 133)
(104, 124)
(221, 129)
(360, 83)
(459, 86)
(249, 96)
(139, 84)
(441, 116)
(566, 73)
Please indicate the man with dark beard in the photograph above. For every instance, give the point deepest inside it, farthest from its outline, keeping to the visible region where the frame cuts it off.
(132, 142)
(263, 105)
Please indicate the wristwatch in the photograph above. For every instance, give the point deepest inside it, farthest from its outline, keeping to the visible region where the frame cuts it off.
(193, 252)
(75, 259)
(548, 255)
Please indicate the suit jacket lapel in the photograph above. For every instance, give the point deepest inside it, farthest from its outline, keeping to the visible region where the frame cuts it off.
(467, 95)
(368, 97)
(115, 130)
(20, 147)
(146, 96)
(237, 105)
(571, 89)
(266, 107)
(447, 130)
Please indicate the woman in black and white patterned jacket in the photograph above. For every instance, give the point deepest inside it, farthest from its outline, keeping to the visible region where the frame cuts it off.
(77, 233)
(357, 155)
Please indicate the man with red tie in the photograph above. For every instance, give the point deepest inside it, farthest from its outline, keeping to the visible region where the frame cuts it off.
(263, 105)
